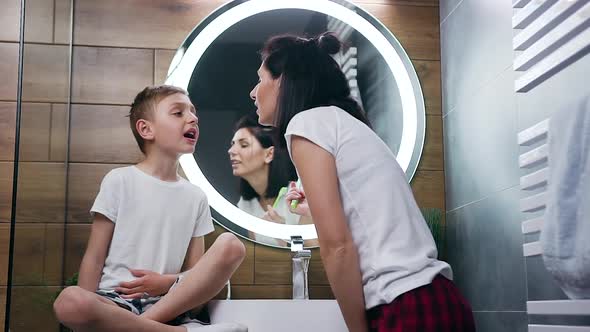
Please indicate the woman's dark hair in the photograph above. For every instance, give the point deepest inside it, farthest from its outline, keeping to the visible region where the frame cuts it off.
(280, 170)
(309, 76)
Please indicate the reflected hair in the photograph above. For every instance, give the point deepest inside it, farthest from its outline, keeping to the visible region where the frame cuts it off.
(280, 170)
(309, 77)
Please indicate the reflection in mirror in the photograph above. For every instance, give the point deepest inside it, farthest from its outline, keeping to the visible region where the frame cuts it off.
(225, 73)
(264, 170)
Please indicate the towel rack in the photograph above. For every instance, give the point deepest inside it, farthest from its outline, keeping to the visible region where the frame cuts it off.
(549, 35)
(534, 163)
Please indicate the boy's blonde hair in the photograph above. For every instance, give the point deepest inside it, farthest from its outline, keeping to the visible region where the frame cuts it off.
(145, 104)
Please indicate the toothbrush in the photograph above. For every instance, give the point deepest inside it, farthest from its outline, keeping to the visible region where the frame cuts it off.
(295, 202)
(280, 197)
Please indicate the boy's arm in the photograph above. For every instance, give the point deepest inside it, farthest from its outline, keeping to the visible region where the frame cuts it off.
(195, 251)
(96, 252)
(155, 284)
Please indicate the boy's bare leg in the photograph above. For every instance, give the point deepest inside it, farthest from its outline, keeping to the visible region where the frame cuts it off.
(85, 311)
(203, 281)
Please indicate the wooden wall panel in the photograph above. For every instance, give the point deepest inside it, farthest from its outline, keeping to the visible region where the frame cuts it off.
(58, 137)
(41, 193)
(32, 309)
(38, 250)
(101, 133)
(54, 250)
(10, 22)
(7, 130)
(163, 59)
(261, 292)
(429, 76)
(274, 267)
(62, 25)
(6, 174)
(432, 152)
(39, 17)
(416, 27)
(35, 131)
(75, 246)
(317, 274)
(46, 73)
(4, 249)
(2, 304)
(110, 75)
(9, 70)
(29, 246)
(429, 189)
(83, 185)
(146, 24)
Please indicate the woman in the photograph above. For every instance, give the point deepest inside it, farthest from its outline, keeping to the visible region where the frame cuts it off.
(264, 169)
(379, 255)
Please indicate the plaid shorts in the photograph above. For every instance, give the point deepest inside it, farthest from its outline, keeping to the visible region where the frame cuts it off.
(438, 306)
(139, 306)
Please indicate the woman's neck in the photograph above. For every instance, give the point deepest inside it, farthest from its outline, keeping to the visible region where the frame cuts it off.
(259, 182)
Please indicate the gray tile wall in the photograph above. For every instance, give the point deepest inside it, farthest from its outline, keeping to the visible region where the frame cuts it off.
(482, 115)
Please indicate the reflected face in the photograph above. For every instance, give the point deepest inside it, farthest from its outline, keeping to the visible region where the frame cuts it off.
(247, 155)
(175, 126)
(265, 95)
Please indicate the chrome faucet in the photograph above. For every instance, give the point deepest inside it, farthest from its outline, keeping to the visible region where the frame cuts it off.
(300, 259)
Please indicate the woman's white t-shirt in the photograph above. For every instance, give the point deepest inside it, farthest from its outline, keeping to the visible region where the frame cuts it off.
(396, 249)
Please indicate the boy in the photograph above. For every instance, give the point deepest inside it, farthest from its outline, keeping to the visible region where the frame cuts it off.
(148, 226)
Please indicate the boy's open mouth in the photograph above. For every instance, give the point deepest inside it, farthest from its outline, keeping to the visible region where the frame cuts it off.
(191, 133)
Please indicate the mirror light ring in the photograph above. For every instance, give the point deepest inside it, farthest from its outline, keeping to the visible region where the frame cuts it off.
(186, 60)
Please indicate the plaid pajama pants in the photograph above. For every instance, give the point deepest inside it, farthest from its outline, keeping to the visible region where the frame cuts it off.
(438, 306)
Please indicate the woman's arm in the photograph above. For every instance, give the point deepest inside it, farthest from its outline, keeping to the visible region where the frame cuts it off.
(96, 252)
(317, 169)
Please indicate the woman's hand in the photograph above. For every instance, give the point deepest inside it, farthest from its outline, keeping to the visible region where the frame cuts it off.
(295, 193)
(148, 283)
(272, 215)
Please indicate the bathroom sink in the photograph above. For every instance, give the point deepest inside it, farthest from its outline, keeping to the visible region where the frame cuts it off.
(280, 315)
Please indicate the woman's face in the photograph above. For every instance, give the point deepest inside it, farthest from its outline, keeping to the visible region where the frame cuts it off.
(265, 95)
(246, 154)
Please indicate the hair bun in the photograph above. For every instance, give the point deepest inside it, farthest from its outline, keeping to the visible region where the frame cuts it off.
(329, 43)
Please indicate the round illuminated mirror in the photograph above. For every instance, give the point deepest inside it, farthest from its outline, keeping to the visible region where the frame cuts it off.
(217, 65)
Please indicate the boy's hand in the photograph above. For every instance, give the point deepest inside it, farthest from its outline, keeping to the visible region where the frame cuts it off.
(148, 283)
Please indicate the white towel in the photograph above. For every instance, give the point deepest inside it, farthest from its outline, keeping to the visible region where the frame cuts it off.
(565, 237)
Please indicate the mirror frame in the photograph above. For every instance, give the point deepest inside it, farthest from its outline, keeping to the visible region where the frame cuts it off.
(207, 31)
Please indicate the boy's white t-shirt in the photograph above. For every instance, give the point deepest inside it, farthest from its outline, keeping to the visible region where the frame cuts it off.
(154, 223)
(396, 250)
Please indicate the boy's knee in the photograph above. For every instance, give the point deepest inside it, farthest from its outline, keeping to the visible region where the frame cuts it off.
(74, 305)
(233, 249)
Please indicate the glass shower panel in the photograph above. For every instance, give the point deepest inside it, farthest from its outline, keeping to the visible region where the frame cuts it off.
(40, 204)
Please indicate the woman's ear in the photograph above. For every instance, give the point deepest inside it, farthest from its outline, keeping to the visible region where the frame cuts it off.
(269, 154)
(144, 129)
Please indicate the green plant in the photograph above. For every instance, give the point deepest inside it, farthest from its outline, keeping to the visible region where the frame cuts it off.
(72, 281)
(433, 218)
